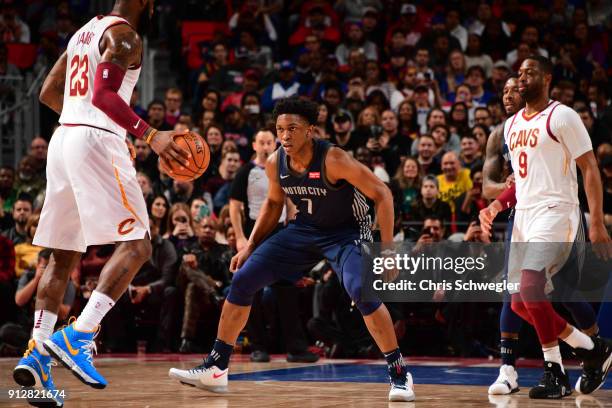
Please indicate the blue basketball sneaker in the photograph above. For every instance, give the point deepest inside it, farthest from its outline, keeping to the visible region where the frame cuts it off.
(74, 350)
(34, 370)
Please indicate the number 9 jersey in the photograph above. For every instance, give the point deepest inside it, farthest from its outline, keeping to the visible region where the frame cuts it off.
(543, 149)
(83, 57)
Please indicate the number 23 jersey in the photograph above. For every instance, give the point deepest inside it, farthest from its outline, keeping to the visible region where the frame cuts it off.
(543, 149)
(83, 57)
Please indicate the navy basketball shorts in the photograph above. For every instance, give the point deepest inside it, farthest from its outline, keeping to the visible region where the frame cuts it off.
(292, 252)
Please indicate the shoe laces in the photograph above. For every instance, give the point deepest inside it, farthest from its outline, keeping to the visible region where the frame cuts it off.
(89, 347)
(31, 345)
(198, 369)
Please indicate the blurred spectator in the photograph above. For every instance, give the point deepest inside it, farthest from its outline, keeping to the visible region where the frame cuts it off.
(7, 193)
(470, 203)
(12, 28)
(26, 254)
(145, 185)
(570, 65)
(408, 127)
(475, 79)
(250, 83)
(597, 129)
(343, 136)
(173, 102)
(474, 55)
(470, 156)
(482, 116)
(135, 104)
(374, 82)
(589, 46)
(158, 210)
(203, 277)
(146, 160)
(408, 23)
(220, 189)
(483, 16)
(441, 136)
(481, 133)
(29, 180)
(180, 229)
(389, 144)
(285, 87)
(149, 308)
(499, 74)
(252, 14)
(86, 274)
(16, 334)
(317, 22)
(22, 210)
(454, 27)
(180, 192)
(455, 72)
(496, 110)
(251, 52)
(406, 186)
(249, 189)
(426, 147)
(428, 204)
(156, 115)
(355, 39)
(199, 209)
(454, 180)
(7, 279)
(215, 74)
(38, 150)
(236, 130)
(529, 36)
(459, 122)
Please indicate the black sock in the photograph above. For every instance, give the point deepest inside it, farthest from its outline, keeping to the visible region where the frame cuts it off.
(508, 346)
(220, 355)
(395, 362)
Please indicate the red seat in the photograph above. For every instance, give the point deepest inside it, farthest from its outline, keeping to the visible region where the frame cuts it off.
(22, 55)
(195, 32)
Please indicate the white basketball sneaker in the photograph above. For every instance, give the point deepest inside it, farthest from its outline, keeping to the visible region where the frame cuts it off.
(210, 379)
(506, 383)
(401, 389)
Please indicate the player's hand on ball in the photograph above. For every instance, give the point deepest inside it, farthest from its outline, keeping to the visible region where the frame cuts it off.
(163, 144)
(602, 245)
(240, 258)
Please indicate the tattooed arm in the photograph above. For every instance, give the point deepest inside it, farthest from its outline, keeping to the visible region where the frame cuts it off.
(493, 167)
(52, 92)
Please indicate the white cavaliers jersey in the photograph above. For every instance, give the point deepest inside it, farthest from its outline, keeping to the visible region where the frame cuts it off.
(543, 149)
(83, 54)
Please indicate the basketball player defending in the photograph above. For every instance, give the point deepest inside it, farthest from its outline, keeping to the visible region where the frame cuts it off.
(546, 139)
(497, 158)
(92, 195)
(329, 189)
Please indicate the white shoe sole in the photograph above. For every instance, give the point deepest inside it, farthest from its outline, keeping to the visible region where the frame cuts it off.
(221, 389)
(607, 365)
(61, 356)
(402, 397)
(502, 389)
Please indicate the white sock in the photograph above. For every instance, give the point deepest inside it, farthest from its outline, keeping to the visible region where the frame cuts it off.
(98, 306)
(578, 339)
(44, 322)
(553, 355)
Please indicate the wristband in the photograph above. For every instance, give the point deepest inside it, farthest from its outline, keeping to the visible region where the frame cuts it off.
(150, 137)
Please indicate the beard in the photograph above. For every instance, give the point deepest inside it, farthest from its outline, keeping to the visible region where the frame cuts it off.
(531, 92)
(144, 25)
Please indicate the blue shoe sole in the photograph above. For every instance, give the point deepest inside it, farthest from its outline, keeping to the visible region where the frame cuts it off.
(58, 354)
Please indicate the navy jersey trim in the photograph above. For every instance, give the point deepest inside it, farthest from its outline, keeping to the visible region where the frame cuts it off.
(341, 183)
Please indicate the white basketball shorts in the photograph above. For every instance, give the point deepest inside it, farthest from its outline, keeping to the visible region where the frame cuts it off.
(92, 196)
(542, 239)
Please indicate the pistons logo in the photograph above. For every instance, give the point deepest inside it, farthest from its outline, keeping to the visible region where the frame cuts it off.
(126, 226)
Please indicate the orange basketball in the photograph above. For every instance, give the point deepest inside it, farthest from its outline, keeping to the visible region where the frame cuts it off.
(195, 145)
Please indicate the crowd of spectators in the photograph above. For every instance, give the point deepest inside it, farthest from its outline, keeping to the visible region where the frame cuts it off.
(411, 89)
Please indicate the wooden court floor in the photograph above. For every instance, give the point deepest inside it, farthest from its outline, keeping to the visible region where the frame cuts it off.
(143, 382)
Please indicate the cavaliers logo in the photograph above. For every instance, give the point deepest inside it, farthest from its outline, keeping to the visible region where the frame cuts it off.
(126, 226)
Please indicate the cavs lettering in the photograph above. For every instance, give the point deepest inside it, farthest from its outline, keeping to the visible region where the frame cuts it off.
(542, 149)
(524, 138)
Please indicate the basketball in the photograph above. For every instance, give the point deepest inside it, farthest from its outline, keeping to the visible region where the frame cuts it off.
(198, 161)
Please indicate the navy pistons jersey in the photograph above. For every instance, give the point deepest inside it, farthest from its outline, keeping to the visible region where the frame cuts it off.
(321, 204)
